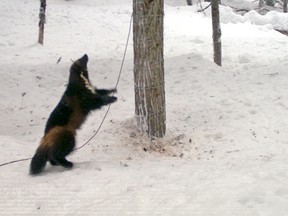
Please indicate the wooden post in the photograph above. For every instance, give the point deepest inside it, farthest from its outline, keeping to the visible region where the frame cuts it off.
(216, 32)
(41, 21)
(149, 66)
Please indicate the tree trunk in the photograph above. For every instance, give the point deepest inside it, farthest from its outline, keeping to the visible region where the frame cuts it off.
(189, 2)
(285, 6)
(261, 3)
(149, 66)
(270, 3)
(266, 2)
(41, 21)
(216, 32)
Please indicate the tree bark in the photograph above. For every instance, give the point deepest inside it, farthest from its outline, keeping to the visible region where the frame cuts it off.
(41, 21)
(149, 66)
(217, 46)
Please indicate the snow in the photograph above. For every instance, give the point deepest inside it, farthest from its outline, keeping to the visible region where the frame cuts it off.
(226, 148)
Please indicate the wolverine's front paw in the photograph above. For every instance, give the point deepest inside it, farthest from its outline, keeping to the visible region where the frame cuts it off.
(113, 90)
(111, 99)
(106, 91)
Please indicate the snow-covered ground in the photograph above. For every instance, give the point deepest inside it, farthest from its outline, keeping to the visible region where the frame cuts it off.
(226, 149)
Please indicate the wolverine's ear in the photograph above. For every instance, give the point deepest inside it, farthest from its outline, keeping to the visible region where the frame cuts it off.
(84, 59)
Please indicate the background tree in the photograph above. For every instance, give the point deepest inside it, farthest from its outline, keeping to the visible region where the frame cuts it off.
(189, 2)
(266, 2)
(285, 6)
(216, 32)
(41, 21)
(149, 66)
(270, 3)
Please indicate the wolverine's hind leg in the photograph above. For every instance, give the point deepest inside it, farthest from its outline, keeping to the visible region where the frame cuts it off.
(61, 161)
(64, 162)
(53, 163)
(64, 145)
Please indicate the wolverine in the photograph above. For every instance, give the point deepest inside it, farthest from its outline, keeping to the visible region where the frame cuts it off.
(78, 100)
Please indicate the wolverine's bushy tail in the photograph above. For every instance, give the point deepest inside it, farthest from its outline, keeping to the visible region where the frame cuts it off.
(38, 161)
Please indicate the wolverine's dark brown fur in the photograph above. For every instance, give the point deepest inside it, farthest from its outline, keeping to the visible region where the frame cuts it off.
(79, 99)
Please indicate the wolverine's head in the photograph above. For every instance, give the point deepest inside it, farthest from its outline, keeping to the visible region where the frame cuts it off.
(79, 74)
(78, 68)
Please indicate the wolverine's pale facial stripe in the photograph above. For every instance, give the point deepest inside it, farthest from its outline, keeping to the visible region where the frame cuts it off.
(87, 83)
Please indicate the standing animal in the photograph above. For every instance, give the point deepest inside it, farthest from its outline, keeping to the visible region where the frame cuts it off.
(78, 100)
